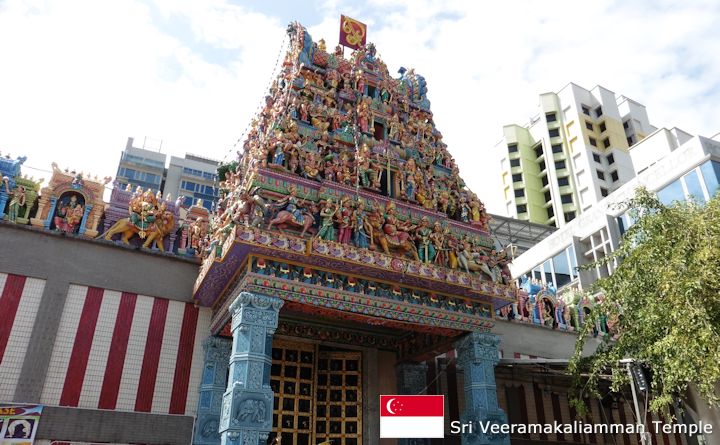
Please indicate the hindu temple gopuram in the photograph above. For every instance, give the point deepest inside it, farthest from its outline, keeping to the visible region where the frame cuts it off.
(345, 205)
(345, 259)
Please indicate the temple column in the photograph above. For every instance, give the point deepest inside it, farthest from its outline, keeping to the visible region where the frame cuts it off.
(247, 408)
(3, 200)
(412, 380)
(477, 355)
(212, 388)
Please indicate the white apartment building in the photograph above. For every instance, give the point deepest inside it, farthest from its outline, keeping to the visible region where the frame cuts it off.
(571, 155)
(690, 167)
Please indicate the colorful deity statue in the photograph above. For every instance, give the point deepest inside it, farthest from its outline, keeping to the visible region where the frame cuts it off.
(439, 241)
(143, 211)
(363, 116)
(292, 211)
(363, 166)
(311, 166)
(395, 227)
(327, 221)
(464, 209)
(149, 217)
(394, 132)
(425, 246)
(279, 154)
(361, 226)
(68, 215)
(410, 181)
(291, 204)
(197, 235)
(17, 200)
(344, 220)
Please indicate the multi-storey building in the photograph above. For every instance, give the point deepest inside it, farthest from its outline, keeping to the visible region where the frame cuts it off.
(571, 155)
(689, 169)
(193, 177)
(141, 167)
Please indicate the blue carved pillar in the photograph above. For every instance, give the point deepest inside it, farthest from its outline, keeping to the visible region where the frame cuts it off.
(247, 409)
(412, 380)
(477, 355)
(3, 200)
(212, 388)
(51, 212)
(84, 218)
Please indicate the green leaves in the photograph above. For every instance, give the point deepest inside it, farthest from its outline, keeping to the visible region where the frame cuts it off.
(663, 301)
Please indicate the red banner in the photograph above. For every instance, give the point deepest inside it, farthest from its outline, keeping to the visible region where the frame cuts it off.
(353, 34)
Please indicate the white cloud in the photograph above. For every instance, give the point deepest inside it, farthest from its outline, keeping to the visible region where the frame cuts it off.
(78, 77)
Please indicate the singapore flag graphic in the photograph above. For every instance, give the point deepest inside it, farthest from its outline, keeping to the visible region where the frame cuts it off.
(412, 417)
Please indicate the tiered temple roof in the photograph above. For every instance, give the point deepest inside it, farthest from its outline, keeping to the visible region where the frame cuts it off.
(344, 182)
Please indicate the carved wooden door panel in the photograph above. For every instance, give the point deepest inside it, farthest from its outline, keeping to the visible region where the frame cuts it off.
(318, 394)
(338, 415)
(292, 378)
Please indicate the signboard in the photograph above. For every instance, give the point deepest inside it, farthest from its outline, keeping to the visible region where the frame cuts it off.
(353, 34)
(19, 423)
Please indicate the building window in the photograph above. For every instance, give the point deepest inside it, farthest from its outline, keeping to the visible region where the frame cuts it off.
(614, 176)
(603, 191)
(542, 166)
(711, 176)
(554, 132)
(598, 112)
(610, 159)
(596, 158)
(519, 193)
(625, 221)
(557, 148)
(544, 180)
(514, 162)
(566, 199)
(538, 150)
(692, 184)
(600, 175)
(551, 212)
(626, 125)
(589, 126)
(551, 117)
(548, 197)
(563, 181)
(517, 177)
(602, 127)
(586, 110)
(559, 165)
(671, 193)
(512, 148)
(630, 140)
(522, 208)
(593, 142)
(606, 142)
(569, 216)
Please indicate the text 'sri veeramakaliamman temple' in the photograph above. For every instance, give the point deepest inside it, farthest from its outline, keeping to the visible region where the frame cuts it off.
(345, 259)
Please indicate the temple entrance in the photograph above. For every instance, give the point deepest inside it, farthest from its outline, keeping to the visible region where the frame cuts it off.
(318, 394)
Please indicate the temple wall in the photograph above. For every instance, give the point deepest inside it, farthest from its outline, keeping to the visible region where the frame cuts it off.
(107, 338)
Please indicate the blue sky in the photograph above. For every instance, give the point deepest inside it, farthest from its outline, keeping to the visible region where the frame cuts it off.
(80, 76)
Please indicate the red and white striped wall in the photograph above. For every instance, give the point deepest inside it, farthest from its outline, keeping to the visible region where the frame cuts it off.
(118, 350)
(19, 301)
